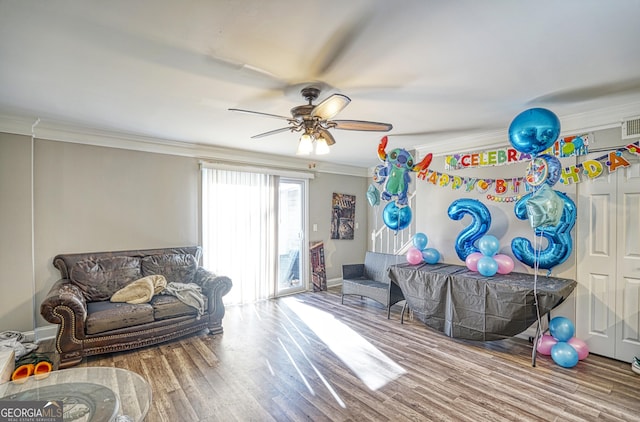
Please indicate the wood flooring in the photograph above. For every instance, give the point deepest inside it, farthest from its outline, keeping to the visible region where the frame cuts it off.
(309, 358)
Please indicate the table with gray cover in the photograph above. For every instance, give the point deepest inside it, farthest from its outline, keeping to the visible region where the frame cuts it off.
(465, 304)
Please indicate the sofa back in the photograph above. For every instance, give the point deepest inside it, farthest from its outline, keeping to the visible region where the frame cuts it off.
(100, 274)
(376, 265)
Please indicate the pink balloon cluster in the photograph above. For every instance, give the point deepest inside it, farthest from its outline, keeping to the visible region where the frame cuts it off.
(505, 262)
(547, 341)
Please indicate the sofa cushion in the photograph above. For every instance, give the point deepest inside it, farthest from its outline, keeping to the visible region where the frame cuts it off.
(107, 316)
(177, 268)
(166, 306)
(141, 290)
(100, 278)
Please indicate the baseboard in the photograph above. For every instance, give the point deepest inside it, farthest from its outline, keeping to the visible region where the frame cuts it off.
(334, 282)
(42, 333)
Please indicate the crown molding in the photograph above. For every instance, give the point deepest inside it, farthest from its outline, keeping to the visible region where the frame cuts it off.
(66, 132)
(591, 121)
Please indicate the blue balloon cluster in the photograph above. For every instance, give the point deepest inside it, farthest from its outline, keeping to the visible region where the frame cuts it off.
(488, 246)
(562, 352)
(420, 252)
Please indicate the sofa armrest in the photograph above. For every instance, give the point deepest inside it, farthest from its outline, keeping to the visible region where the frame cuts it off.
(64, 293)
(353, 271)
(65, 305)
(214, 287)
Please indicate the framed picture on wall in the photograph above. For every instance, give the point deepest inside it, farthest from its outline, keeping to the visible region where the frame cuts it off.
(343, 209)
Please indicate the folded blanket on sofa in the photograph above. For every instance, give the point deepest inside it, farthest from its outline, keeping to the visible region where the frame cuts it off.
(188, 293)
(141, 290)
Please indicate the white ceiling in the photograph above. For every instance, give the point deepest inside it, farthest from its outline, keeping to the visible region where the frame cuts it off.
(441, 72)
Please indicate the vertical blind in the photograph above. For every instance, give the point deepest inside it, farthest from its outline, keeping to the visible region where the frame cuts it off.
(238, 239)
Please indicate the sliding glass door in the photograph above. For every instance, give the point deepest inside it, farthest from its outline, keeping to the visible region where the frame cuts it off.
(253, 231)
(291, 238)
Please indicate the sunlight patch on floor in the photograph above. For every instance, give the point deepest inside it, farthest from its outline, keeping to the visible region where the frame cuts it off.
(328, 386)
(368, 363)
(293, 362)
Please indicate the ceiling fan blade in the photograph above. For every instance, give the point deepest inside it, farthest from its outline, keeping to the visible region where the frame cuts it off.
(259, 113)
(591, 92)
(271, 132)
(327, 136)
(362, 125)
(339, 43)
(331, 106)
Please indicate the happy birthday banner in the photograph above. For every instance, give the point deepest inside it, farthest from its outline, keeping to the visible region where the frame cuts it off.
(587, 170)
(565, 147)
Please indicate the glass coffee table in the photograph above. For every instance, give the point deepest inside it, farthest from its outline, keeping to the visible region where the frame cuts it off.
(88, 394)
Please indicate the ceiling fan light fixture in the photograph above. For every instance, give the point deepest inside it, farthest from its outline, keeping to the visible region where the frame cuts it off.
(305, 146)
(322, 148)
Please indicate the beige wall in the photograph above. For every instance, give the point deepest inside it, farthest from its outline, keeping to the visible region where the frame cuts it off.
(92, 198)
(16, 281)
(336, 251)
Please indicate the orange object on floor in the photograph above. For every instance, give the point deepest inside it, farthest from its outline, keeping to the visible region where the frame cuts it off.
(22, 372)
(42, 369)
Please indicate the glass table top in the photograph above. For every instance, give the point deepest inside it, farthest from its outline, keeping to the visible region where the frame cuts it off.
(88, 394)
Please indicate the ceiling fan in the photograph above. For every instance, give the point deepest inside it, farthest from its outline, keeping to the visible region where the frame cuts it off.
(315, 121)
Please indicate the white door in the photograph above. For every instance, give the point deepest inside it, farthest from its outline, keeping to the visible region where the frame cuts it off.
(608, 248)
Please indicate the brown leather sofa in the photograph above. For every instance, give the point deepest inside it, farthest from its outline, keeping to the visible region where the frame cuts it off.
(90, 324)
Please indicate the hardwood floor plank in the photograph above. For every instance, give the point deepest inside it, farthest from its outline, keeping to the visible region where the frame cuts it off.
(275, 364)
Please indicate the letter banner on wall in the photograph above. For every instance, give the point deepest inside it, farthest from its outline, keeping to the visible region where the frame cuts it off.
(512, 189)
(594, 167)
(564, 147)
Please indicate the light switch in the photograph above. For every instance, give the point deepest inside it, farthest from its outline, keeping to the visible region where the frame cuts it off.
(315, 227)
(357, 226)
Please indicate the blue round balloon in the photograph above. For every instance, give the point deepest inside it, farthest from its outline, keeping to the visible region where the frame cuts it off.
(431, 256)
(534, 130)
(420, 241)
(555, 168)
(487, 266)
(396, 218)
(564, 355)
(544, 169)
(561, 328)
(488, 245)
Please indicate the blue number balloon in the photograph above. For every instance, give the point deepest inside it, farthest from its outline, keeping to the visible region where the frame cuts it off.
(559, 243)
(480, 223)
(396, 218)
(534, 130)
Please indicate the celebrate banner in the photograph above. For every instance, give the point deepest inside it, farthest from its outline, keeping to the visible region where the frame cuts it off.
(564, 147)
(512, 189)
